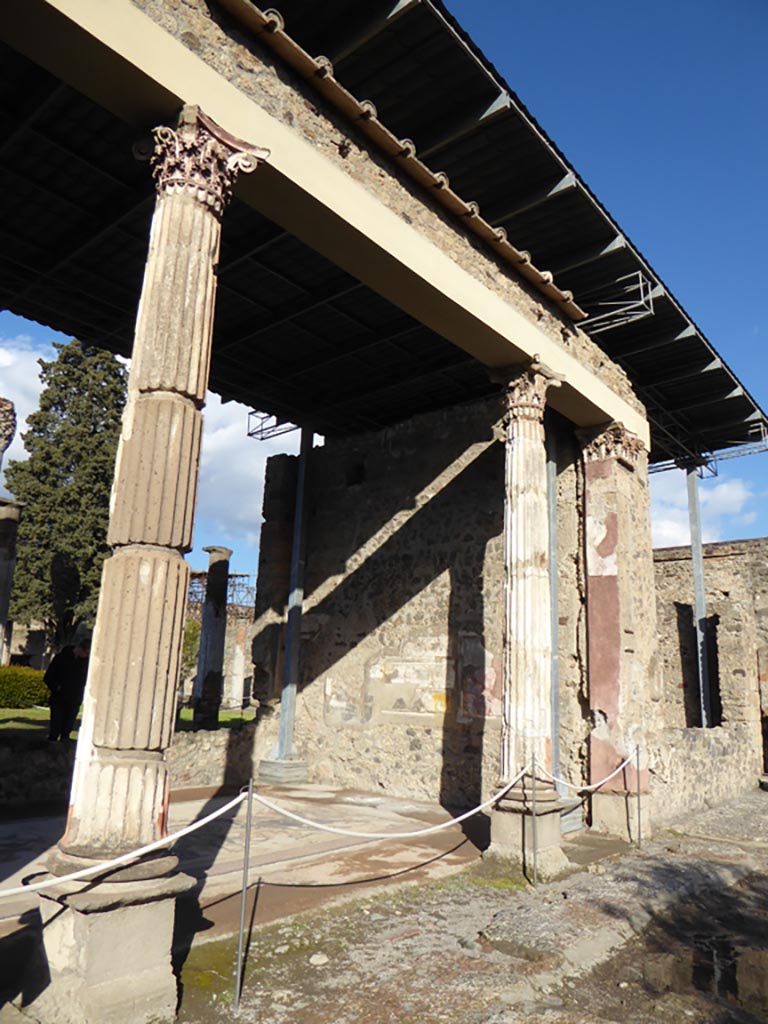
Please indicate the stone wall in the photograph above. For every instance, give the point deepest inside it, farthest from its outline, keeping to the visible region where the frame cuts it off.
(693, 767)
(221, 757)
(35, 771)
(402, 632)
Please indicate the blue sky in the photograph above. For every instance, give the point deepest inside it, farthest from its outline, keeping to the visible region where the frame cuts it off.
(661, 109)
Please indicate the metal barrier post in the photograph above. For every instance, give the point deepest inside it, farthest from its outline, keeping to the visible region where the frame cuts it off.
(243, 898)
(639, 825)
(535, 850)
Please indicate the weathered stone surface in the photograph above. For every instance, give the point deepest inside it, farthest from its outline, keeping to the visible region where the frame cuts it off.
(527, 665)
(10, 514)
(156, 473)
(225, 757)
(694, 767)
(183, 249)
(120, 789)
(210, 661)
(143, 595)
(620, 614)
(89, 983)
(530, 840)
(120, 803)
(34, 772)
(7, 424)
(403, 623)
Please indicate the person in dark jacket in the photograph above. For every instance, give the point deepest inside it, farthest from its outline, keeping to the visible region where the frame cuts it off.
(65, 678)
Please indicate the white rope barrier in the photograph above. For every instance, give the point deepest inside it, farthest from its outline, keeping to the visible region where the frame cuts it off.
(595, 785)
(392, 835)
(159, 844)
(125, 858)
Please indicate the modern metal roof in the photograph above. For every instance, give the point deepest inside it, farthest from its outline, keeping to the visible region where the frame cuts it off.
(295, 335)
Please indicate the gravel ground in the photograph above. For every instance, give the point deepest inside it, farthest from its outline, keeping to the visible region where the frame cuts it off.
(676, 932)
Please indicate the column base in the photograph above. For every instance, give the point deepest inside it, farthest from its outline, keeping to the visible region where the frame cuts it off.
(107, 952)
(614, 812)
(512, 831)
(283, 773)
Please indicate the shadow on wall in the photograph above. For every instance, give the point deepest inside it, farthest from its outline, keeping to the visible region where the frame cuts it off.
(686, 635)
(451, 518)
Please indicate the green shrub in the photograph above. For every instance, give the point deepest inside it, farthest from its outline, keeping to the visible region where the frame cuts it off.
(21, 687)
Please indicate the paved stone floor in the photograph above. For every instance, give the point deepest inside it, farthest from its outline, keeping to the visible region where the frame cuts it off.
(675, 932)
(339, 933)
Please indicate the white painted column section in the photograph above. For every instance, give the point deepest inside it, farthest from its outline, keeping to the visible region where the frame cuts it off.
(527, 627)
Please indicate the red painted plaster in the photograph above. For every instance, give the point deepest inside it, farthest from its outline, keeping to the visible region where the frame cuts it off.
(604, 642)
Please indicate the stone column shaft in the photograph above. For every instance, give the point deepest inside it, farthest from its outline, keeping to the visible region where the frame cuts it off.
(120, 787)
(210, 662)
(10, 513)
(527, 626)
(619, 567)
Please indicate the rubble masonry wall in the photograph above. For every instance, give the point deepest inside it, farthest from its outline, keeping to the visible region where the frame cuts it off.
(695, 767)
(402, 629)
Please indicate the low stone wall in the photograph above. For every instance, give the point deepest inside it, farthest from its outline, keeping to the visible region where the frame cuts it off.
(224, 757)
(696, 768)
(35, 771)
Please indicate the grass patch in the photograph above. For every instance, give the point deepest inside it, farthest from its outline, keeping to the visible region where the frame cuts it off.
(227, 719)
(32, 723)
(27, 723)
(492, 874)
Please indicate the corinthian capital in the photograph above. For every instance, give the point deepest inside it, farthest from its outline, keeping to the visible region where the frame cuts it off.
(525, 389)
(7, 424)
(198, 158)
(613, 441)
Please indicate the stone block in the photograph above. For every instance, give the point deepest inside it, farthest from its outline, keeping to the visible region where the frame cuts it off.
(156, 473)
(143, 598)
(519, 836)
(282, 773)
(112, 965)
(615, 814)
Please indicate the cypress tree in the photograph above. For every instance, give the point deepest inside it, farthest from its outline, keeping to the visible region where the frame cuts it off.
(65, 485)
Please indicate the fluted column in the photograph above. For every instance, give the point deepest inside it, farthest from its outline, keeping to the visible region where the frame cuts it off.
(525, 824)
(120, 787)
(527, 626)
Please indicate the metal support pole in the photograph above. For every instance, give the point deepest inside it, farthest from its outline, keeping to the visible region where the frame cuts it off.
(553, 602)
(533, 834)
(243, 898)
(639, 824)
(285, 745)
(699, 599)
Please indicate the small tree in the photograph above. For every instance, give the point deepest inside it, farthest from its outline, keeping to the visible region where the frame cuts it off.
(65, 485)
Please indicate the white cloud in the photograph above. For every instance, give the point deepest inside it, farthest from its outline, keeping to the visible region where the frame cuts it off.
(20, 382)
(724, 508)
(726, 498)
(232, 482)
